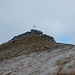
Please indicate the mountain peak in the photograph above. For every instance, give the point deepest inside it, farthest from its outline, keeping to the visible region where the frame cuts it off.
(26, 43)
(35, 53)
(33, 33)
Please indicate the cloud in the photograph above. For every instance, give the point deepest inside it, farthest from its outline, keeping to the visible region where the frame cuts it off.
(56, 18)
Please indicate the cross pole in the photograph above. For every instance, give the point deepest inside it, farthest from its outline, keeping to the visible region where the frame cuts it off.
(34, 27)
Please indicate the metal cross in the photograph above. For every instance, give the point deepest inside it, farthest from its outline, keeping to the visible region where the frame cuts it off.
(34, 27)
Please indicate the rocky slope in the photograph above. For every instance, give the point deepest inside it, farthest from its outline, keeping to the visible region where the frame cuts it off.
(34, 53)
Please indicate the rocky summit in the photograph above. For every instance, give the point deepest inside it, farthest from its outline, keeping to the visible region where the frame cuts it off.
(33, 32)
(35, 53)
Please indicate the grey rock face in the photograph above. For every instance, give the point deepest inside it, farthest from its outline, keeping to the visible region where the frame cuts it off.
(31, 33)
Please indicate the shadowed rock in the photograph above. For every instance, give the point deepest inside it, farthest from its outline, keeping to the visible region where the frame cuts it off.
(31, 33)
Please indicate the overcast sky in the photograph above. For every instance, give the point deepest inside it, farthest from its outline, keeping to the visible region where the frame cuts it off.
(54, 17)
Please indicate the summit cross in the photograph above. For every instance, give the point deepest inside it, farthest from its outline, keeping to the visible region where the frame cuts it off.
(34, 27)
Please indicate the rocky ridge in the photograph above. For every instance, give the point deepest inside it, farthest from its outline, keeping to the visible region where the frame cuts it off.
(32, 33)
(35, 53)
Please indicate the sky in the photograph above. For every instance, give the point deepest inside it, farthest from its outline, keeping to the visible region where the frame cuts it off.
(54, 17)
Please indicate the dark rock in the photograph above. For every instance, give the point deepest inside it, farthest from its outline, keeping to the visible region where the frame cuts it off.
(33, 32)
(49, 38)
(36, 31)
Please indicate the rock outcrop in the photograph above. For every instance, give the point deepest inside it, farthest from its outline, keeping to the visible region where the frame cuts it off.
(32, 33)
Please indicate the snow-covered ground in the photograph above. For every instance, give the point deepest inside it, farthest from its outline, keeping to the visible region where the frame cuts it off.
(59, 61)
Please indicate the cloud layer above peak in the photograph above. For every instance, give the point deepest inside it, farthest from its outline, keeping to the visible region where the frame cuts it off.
(56, 18)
